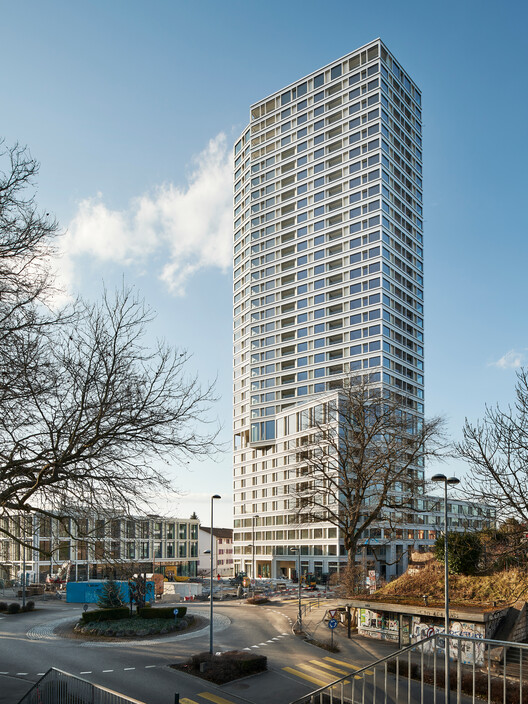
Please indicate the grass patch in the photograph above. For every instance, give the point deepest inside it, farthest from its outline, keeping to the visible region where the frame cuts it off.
(503, 587)
(325, 645)
(132, 627)
(224, 667)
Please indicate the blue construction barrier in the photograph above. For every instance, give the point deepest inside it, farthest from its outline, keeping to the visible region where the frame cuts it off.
(89, 592)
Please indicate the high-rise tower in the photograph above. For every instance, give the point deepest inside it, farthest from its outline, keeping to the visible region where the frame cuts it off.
(328, 280)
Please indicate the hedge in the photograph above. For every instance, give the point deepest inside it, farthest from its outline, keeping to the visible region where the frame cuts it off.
(227, 666)
(162, 612)
(106, 614)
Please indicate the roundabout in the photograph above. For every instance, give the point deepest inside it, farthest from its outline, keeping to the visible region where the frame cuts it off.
(58, 630)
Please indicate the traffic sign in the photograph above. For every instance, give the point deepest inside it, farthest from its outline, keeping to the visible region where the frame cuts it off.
(332, 623)
(332, 613)
(430, 632)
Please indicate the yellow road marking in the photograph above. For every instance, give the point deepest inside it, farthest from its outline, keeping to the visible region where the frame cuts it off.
(318, 672)
(347, 664)
(215, 698)
(187, 701)
(298, 673)
(320, 663)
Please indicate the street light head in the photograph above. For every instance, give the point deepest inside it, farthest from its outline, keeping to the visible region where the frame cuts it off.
(216, 496)
(453, 480)
(439, 478)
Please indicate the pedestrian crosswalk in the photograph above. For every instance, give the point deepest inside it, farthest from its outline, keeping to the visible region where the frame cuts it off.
(323, 671)
(209, 697)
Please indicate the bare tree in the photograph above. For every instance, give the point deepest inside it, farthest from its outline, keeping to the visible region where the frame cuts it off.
(89, 412)
(359, 461)
(496, 449)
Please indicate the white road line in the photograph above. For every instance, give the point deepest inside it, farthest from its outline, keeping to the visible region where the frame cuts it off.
(5, 673)
(22, 673)
(40, 674)
(149, 666)
(129, 668)
(262, 643)
(86, 672)
(255, 646)
(270, 641)
(107, 670)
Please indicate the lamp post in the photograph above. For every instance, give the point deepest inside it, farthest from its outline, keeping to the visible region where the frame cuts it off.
(213, 497)
(451, 481)
(253, 555)
(297, 551)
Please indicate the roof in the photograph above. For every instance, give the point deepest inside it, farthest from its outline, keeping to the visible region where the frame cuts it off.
(218, 532)
(476, 614)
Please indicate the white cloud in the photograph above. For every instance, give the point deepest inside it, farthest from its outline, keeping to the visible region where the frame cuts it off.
(187, 228)
(511, 360)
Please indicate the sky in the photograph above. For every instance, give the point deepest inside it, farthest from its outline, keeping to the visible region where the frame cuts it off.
(132, 109)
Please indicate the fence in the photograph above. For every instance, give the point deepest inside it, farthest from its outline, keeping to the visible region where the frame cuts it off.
(489, 670)
(58, 687)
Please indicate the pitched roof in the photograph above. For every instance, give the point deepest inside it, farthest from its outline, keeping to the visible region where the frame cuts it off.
(219, 532)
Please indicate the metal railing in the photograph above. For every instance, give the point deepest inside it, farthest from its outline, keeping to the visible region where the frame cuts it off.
(58, 687)
(489, 670)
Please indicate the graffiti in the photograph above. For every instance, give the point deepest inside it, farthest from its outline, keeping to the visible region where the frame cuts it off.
(469, 651)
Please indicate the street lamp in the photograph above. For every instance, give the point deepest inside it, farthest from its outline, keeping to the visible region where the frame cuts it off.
(298, 552)
(213, 497)
(451, 481)
(253, 553)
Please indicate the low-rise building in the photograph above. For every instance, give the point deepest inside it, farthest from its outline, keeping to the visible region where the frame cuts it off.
(92, 547)
(222, 550)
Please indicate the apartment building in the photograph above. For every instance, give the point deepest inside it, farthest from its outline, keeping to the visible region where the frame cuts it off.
(328, 285)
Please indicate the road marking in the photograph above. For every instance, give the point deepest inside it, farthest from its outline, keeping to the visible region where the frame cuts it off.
(317, 671)
(22, 673)
(254, 646)
(215, 698)
(187, 701)
(107, 670)
(347, 664)
(244, 649)
(147, 667)
(40, 674)
(320, 663)
(86, 672)
(129, 668)
(304, 676)
(263, 643)
(269, 641)
(4, 673)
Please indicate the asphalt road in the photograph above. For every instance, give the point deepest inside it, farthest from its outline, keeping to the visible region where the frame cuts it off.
(140, 669)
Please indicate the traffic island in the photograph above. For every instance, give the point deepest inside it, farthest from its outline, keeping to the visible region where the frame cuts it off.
(224, 667)
(118, 624)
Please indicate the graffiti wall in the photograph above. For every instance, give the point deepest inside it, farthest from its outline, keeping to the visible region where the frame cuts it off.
(385, 625)
(378, 624)
(470, 651)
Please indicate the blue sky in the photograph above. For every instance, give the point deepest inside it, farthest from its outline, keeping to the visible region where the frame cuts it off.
(132, 108)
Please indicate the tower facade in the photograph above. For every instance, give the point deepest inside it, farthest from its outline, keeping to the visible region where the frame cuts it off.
(328, 283)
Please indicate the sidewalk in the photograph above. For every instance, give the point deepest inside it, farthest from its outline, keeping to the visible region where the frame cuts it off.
(359, 649)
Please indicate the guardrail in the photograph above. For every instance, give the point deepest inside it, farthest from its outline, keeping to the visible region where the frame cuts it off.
(482, 669)
(58, 687)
